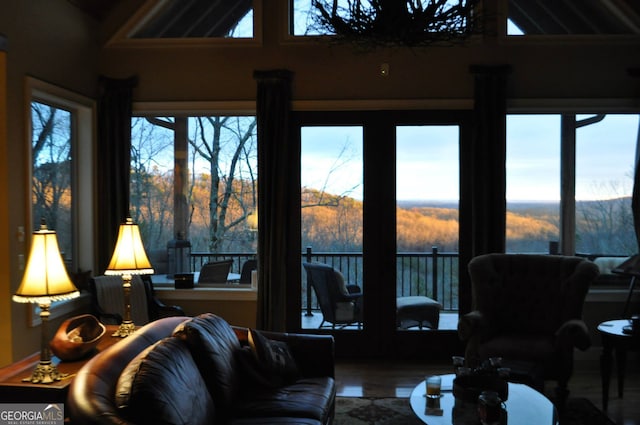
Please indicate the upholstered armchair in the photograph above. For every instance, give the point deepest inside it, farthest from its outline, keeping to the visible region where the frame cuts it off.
(528, 308)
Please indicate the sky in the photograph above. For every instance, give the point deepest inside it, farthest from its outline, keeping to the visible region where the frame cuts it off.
(427, 159)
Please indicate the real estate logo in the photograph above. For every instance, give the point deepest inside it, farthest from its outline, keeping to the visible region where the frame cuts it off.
(31, 414)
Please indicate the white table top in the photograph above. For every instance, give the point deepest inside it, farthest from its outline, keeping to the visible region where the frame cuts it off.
(163, 279)
(524, 406)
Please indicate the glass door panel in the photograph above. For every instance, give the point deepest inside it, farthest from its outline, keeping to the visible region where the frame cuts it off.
(533, 183)
(427, 200)
(332, 225)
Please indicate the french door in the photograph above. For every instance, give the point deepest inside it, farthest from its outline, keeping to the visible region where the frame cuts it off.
(379, 203)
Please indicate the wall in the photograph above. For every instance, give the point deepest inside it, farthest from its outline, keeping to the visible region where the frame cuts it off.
(237, 313)
(553, 70)
(62, 51)
(5, 301)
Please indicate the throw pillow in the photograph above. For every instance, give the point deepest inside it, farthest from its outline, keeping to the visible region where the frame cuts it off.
(213, 343)
(253, 376)
(274, 358)
(342, 286)
(162, 385)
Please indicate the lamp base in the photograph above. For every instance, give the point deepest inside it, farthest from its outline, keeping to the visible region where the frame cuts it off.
(125, 329)
(45, 373)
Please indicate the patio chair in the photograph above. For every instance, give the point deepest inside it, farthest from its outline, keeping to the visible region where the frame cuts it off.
(215, 272)
(528, 309)
(340, 304)
(247, 268)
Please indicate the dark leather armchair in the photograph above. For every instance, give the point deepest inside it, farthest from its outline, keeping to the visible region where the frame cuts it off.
(528, 308)
(340, 303)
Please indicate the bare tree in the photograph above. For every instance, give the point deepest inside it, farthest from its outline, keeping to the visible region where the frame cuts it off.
(210, 202)
(224, 140)
(51, 167)
(151, 181)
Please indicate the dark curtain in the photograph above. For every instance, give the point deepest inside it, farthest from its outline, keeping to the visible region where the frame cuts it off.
(635, 197)
(278, 182)
(113, 164)
(483, 174)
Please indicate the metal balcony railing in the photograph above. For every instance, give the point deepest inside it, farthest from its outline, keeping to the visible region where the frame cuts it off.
(432, 273)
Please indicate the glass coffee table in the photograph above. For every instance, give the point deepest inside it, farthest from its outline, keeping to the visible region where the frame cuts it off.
(524, 406)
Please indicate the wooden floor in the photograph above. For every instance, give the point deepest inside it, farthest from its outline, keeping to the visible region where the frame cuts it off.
(389, 379)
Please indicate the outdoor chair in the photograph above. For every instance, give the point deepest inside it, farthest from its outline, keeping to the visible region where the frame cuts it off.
(107, 300)
(215, 272)
(245, 273)
(528, 309)
(340, 304)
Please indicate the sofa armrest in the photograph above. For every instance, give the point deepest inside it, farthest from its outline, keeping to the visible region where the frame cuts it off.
(573, 333)
(314, 354)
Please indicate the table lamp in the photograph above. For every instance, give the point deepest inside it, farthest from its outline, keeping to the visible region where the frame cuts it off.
(45, 280)
(129, 258)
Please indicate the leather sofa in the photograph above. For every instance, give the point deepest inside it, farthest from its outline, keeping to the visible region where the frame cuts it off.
(200, 370)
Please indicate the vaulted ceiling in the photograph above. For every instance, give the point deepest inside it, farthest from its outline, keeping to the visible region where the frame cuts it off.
(207, 18)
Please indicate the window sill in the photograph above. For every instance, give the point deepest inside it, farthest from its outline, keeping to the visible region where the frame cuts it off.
(611, 295)
(209, 293)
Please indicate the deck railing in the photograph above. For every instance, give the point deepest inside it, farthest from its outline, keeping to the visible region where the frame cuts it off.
(431, 273)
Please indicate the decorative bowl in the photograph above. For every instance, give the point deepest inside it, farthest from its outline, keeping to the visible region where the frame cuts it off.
(77, 337)
(469, 387)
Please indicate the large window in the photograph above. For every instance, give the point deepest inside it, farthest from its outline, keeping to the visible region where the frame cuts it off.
(533, 182)
(51, 171)
(61, 140)
(195, 177)
(605, 154)
(604, 148)
(61, 182)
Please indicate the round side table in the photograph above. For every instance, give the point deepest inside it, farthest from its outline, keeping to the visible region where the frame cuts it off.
(614, 338)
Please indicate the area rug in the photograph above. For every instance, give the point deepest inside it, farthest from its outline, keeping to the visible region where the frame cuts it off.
(397, 411)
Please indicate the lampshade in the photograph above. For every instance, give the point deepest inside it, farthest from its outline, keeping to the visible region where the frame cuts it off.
(45, 278)
(129, 256)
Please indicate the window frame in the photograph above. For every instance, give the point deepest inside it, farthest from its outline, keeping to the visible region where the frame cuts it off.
(121, 37)
(167, 292)
(83, 111)
(567, 202)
